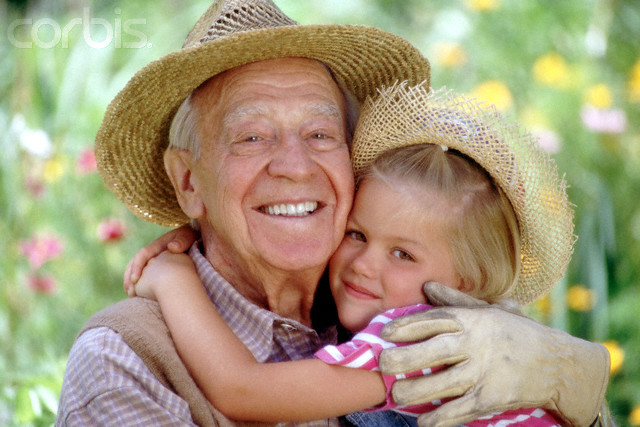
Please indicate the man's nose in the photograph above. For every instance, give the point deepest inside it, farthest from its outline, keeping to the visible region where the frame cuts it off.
(292, 159)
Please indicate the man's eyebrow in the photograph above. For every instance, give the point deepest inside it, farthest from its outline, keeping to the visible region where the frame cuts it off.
(242, 112)
(320, 109)
(325, 109)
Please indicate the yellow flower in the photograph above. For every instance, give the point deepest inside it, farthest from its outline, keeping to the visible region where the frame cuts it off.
(494, 92)
(543, 305)
(53, 170)
(634, 83)
(599, 96)
(533, 117)
(634, 416)
(551, 70)
(483, 5)
(617, 355)
(450, 55)
(580, 298)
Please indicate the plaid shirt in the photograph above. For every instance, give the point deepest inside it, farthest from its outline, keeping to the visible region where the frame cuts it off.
(106, 383)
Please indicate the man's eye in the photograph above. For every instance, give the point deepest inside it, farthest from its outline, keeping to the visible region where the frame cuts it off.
(252, 138)
(324, 140)
(400, 254)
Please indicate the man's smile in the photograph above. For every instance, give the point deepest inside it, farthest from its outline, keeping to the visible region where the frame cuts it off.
(291, 209)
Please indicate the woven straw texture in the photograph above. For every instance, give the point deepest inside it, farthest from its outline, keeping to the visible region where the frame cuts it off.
(134, 133)
(404, 115)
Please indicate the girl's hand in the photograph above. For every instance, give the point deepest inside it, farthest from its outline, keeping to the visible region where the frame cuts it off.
(165, 270)
(176, 241)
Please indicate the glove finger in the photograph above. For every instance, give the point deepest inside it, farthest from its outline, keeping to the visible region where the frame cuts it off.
(444, 350)
(420, 326)
(440, 385)
(440, 295)
(458, 411)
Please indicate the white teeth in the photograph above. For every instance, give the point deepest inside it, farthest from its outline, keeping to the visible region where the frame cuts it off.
(290, 209)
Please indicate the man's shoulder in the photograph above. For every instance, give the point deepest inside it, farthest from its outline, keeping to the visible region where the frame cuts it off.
(131, 313)
(138, 325)
(106, 377)
(107, 336)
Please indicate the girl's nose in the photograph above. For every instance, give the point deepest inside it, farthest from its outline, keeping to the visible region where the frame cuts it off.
(364, 263)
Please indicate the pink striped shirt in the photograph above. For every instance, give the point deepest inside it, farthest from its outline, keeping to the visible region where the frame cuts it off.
(363, 352)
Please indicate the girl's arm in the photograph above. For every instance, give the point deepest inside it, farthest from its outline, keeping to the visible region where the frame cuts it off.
(230, 377)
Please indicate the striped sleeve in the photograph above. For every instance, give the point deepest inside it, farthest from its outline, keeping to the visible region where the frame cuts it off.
(363, 351)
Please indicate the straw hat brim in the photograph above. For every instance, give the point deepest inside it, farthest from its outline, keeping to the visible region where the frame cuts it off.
(134, 133)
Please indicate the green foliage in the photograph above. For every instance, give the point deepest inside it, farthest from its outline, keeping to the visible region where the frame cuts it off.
(63, 90)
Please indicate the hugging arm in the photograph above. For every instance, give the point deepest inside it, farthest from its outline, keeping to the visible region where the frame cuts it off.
(228, 374)
(499, 360)
(177, 241)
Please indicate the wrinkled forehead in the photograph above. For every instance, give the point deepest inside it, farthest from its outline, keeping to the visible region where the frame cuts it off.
(240, 112)
(273, 74)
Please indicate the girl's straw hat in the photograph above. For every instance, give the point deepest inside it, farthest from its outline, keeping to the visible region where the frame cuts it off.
(231, 33)
(404, 115)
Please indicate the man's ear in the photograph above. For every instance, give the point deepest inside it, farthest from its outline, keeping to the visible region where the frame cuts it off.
(178, 164)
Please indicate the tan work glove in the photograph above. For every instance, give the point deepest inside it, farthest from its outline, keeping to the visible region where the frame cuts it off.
(500, 360)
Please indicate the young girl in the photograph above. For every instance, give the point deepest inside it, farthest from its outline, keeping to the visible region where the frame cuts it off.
(447, 191)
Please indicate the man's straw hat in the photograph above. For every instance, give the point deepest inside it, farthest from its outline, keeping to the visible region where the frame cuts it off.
(134, 133)
(404, 115)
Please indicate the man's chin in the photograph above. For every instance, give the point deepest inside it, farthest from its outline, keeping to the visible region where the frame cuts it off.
(297, 258)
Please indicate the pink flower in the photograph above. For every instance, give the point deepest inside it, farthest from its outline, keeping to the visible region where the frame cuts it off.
(110, 230)
(86, 163)
(42, 284)
(35, 186)
(603, 120)
(39, 250)
(548, 140)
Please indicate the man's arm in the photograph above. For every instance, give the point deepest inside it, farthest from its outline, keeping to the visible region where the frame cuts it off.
(499, 360)
(106, 383)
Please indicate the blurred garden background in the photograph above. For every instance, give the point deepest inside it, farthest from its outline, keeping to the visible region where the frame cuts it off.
(569, 70)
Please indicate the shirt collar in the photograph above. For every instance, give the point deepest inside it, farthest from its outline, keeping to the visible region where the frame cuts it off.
(268, 336)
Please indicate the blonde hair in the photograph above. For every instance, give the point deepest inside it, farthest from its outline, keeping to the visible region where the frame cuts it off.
(479, 222)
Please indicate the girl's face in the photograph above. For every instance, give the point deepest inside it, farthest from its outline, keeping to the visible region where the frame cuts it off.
(388, 252)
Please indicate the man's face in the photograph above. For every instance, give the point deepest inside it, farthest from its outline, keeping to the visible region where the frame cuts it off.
(274, 176)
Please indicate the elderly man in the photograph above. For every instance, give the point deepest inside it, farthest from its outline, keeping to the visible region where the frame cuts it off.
(258, 112)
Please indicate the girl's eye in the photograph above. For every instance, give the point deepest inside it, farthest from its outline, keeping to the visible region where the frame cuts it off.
(400, 254)
(356, 235)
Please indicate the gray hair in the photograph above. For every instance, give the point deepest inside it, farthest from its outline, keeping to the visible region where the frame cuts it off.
(183, 133)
